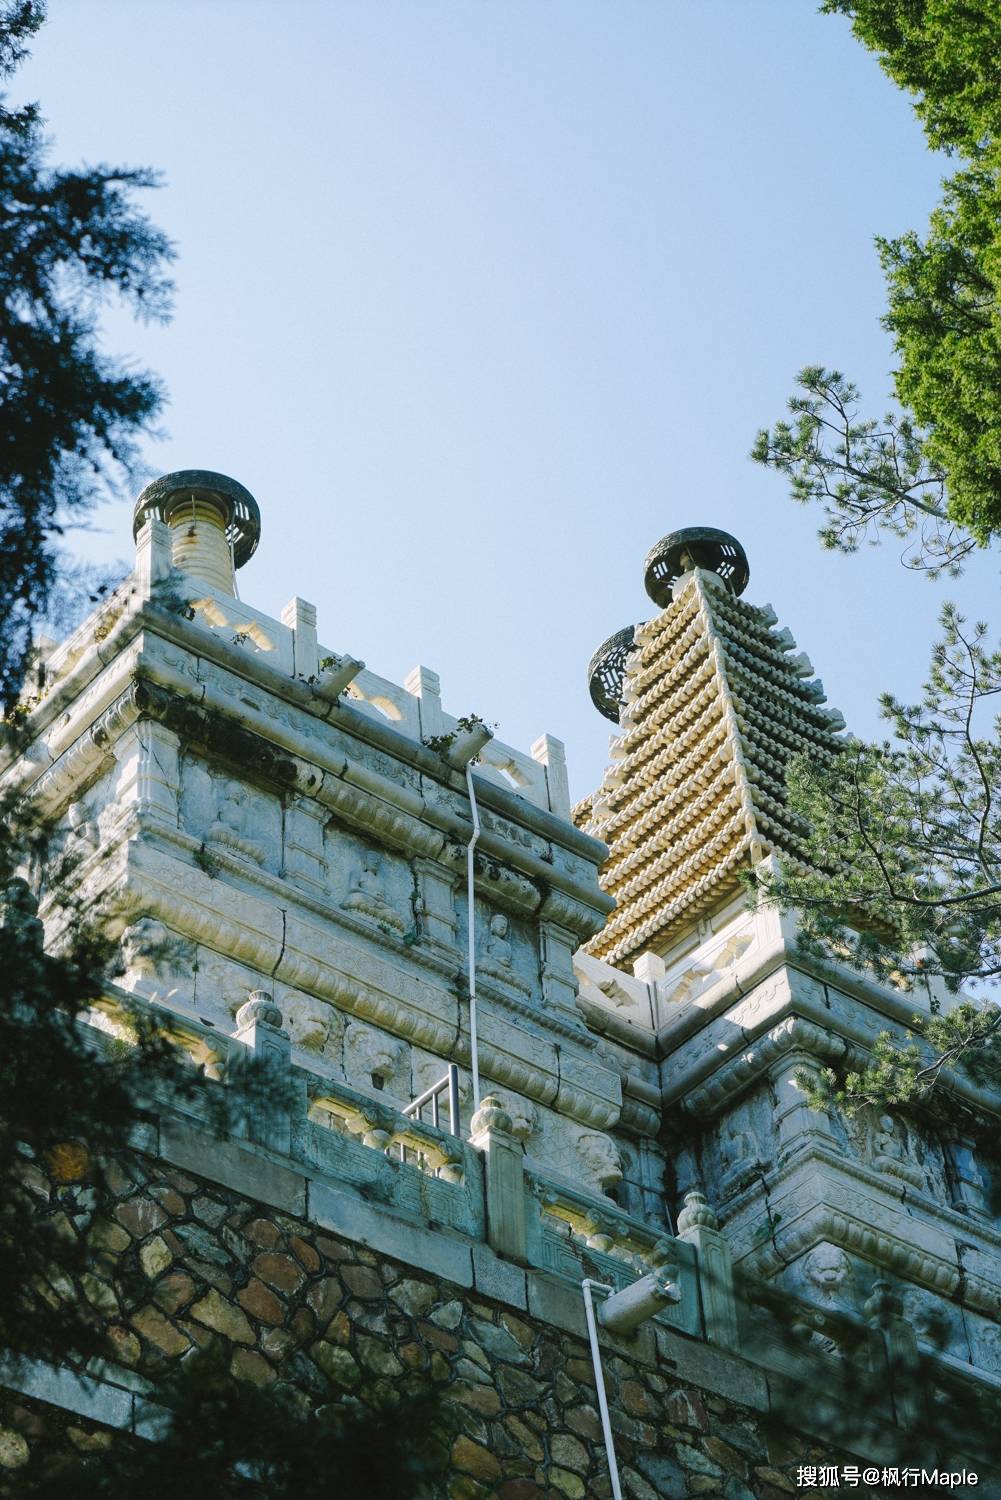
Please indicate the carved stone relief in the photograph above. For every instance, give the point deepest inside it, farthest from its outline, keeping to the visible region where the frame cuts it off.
(986, 1343)
(934, 1322)
(367, 893)
(235, 816)
(82, 833)
(376, 1060)
(598, 1161)
(496, 955)
(227, 814)
(742, 1158)
(890, 1150)
(314, 1025)
(552, 1148)
(825, 1276)
(88, 820)
(155, 961)
(524, 1115)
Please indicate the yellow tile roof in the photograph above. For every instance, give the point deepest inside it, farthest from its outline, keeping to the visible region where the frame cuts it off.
(715, 707)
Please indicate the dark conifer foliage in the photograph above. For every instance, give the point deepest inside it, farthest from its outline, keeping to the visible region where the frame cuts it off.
(70, 415)
(233, 1442)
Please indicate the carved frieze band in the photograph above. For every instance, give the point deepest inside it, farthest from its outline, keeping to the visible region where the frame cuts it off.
(825, 1223)
(364, 799)
(546, 1077)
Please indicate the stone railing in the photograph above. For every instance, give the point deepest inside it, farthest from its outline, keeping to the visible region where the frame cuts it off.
(574, 1234)
(366, 1145)
(443, 1203)
(373, 1150)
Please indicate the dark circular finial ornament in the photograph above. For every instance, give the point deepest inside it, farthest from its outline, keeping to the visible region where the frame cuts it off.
(606, 672)
(172, 492)
(694, 547)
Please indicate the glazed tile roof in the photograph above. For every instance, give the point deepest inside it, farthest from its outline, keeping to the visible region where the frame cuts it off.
(715, 705)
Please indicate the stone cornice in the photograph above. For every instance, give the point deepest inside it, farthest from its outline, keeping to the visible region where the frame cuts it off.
(717, 1037)
(148, 615)
(794, 1034)
(819, 1194)
(406, 816)
(300, 953)
(804, 1021)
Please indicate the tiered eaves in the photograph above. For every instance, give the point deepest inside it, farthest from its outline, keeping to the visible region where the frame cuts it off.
(716, 705)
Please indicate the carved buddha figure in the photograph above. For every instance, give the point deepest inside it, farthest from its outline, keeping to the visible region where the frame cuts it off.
(82, 824)
(498, 946)
(890, 1152)
(367, 893)
(497, 953)
(231, 826)
(742, 1159)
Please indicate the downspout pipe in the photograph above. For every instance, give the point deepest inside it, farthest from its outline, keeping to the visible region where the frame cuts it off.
(474, 1053)
(622, 1313)
(589, 1287)
(472, 735)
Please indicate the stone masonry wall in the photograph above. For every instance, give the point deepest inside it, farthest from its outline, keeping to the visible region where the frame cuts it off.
(178, 1261)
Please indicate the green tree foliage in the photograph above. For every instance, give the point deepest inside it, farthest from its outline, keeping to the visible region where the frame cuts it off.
(906, 842)
(231, 1441)
(68, 418)
(69, 414)
(872, 479)
(904, 863)
(945, 52)
(945, 317)
(944, 289)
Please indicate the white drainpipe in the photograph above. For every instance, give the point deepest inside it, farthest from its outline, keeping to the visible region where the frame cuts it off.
(474, 1055)
(587, 1287)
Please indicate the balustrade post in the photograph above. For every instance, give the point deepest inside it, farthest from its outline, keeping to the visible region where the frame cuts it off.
(300, 618)
(269, 1109)
(883, 1311)
(504, 1174)
(698, 1226)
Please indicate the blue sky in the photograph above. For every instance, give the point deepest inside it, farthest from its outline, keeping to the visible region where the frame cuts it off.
(480, 299)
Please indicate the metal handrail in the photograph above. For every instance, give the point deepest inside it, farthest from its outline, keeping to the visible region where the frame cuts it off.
(448, 1085)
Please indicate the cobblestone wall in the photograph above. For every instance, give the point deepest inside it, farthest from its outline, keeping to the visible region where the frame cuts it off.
(178, 1262)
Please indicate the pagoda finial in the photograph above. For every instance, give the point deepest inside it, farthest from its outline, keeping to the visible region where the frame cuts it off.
(215, 522)
(668, 560)
(694, 547)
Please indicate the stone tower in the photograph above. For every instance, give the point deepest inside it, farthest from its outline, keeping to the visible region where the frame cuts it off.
(711, 700)
(524, 1063)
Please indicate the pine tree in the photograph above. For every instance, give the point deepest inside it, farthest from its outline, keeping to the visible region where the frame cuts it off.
(906, 842)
